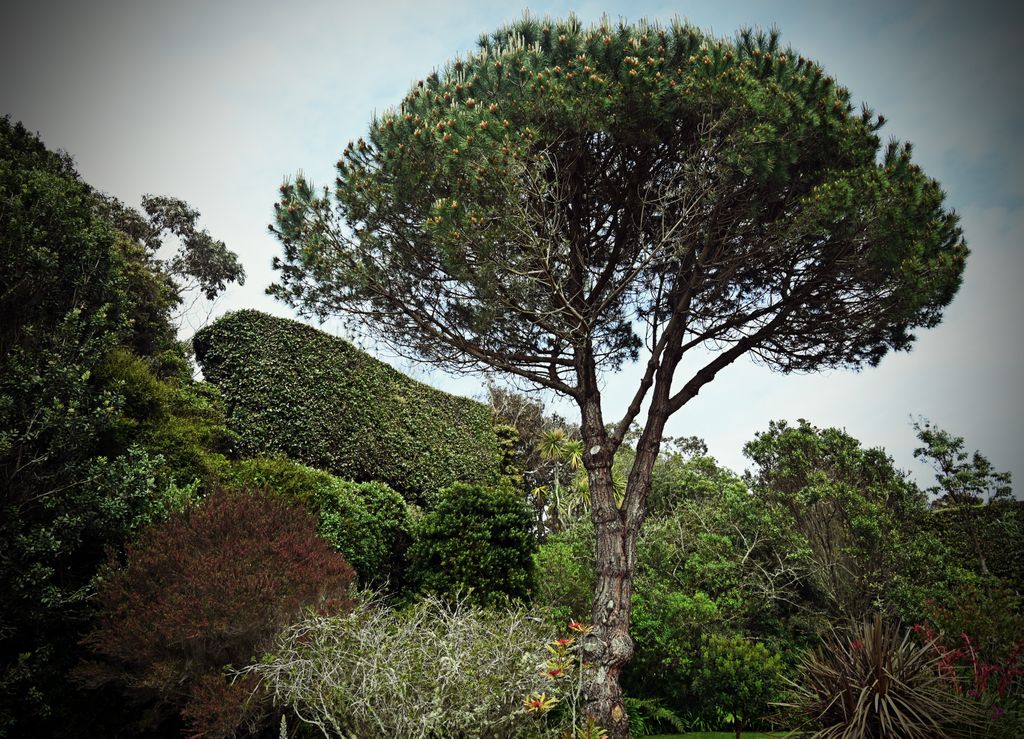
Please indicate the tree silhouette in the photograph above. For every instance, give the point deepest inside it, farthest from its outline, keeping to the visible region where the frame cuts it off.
(566, 197)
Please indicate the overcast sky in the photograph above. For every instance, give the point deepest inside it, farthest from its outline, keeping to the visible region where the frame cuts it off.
(216, 102)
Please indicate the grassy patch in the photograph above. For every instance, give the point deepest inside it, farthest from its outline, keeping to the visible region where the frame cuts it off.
(726, 735)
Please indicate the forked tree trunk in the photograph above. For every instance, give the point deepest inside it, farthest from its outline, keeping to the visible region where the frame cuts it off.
(609, 646)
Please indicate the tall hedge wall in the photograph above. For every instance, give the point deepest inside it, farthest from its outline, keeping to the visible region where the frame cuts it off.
(1000, 529)
(294, 390)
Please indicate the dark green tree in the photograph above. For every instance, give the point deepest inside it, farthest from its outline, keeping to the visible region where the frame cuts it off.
(863, 519)
(200, 262)
(64, 307)
(963, 479)
(99, 420)
(564, 197)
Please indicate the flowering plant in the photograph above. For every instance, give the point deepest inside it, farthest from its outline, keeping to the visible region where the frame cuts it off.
(567, 671)
(969, 673)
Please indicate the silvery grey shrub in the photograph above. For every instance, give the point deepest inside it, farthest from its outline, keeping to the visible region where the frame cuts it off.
(435, 668)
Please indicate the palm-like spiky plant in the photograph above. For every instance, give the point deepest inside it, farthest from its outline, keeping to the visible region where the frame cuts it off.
(555, 445)
(876, 680)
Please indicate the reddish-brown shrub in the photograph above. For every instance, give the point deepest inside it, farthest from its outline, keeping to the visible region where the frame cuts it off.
(209, 587)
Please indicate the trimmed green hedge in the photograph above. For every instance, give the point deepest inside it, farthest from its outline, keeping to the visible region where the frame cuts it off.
(1000, 529)
(294, 390)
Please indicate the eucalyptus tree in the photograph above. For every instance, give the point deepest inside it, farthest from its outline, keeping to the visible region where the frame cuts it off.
(567, 200)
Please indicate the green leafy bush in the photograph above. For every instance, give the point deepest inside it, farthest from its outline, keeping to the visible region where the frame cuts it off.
(564, 567)
(315, 398)
(475, 538)
(990, 611)
(436, 669)
(722, 561)
(210, 586)
(864, 520)
(172, 416)
(876, 680)
(739, 675)
(369, 523)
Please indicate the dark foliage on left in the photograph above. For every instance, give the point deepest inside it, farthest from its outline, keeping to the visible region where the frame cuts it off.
(66, 303)
(209, 587)
(101, 426)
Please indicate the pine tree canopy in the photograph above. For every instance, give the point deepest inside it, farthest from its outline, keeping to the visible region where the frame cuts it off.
(565, 194)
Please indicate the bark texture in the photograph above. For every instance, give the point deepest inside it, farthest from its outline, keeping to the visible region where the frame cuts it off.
(609, 647)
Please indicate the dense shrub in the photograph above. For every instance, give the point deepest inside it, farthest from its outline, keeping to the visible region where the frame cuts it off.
(863, 519)
(990, 611)
(369, 523)
(438, 668)
(297, 391)
(998, 530)
(722, 562)
(740, 676)
(475, 538)
(67, 299)
(169, 414)
(564, 567)
(995, 682)
(208, 587)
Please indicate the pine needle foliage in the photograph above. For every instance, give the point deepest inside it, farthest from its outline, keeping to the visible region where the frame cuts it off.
(563, 181)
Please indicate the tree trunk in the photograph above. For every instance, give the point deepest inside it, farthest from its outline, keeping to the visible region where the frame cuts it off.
(609, 646)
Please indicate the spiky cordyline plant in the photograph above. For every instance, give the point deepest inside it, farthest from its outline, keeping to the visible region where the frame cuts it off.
(876, 680)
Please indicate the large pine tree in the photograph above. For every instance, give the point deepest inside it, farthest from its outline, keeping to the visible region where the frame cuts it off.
(565, 197)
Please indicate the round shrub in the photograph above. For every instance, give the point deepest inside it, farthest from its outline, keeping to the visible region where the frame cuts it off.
(739, 675)
(292, 481)
(209, 587)
(376, 530)
(475, 538)
(368, 523)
